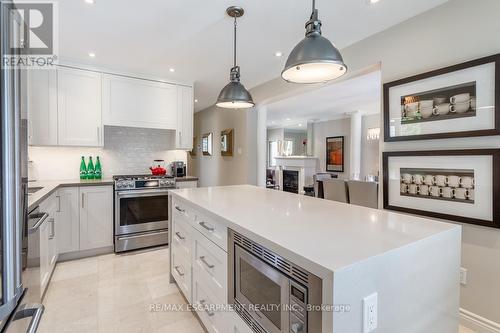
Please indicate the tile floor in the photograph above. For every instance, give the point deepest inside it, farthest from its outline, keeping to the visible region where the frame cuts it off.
(113, 293)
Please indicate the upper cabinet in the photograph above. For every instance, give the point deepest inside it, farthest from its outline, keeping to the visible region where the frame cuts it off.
(139, 103)
(79, 108)
(185, 111)
(42, 106)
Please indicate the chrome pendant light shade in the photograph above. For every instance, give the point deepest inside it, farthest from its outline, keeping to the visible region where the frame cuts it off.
(234, 95)
(315, 59)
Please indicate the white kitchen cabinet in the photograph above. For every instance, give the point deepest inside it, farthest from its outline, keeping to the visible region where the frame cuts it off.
(42, 107)
(185, 114)
(79, 107)
(139, 103)
(68, 220)
(48, 242)
(96, 217)
(44, 256)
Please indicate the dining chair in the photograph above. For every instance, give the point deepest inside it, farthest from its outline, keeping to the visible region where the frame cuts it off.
(336, 190)
(363, 193)
(319, 177)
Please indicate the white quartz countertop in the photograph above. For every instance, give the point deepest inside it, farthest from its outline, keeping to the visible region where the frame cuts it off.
(326, 233)
(49, 186)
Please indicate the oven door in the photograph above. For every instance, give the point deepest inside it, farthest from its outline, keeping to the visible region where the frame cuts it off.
(262, 291)
(140, 210)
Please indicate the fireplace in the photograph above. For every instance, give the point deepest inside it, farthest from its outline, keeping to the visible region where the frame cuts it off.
(291, 181)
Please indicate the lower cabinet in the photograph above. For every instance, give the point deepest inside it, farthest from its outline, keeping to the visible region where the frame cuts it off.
(48, 242)
(69, 214)
(96, 217)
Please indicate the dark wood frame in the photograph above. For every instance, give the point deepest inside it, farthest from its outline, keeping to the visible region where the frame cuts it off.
(343, 153)
(446, 70)
(495, 153)
(229, 134)
(209, 137)
(192, 152)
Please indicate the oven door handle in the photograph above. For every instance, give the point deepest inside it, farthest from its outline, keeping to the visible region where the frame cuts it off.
(34, 311)
(142, 193)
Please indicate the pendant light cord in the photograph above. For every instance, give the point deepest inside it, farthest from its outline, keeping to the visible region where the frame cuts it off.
(314, 6)
(235, 24)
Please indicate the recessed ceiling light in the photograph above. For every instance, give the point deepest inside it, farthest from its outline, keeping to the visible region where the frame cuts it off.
(92, 54)
(278, 54)
(90, 1)
(196, 101)
(300, 125)
(288, 119)
(372, 2)
(172, 70)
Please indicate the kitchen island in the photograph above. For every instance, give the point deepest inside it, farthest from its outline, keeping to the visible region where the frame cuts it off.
(408, 265)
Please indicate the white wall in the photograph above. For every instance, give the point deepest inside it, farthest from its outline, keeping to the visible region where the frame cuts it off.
(436, 34)
(126, 151)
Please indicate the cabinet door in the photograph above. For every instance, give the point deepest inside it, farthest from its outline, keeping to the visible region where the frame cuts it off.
(79, 107)
(139, 103)
(42, 107)
(185, 113)
(96, 217)
(68, 220)
(44, 256)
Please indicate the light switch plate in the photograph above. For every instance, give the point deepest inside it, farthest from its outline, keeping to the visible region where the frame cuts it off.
(370, 313)
(463, 276)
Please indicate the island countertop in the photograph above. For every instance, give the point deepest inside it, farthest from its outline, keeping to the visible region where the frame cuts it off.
(330, 234)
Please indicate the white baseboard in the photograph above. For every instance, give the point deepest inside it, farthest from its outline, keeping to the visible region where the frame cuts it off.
(477, 323)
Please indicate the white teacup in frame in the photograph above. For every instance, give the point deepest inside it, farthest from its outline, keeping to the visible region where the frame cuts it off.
(447, 192)
(454, 181)
(440, 180)
(418, 179)
(429, 180)
(413, 189)
(467, 182)
(470, 194)
(442, 109)
(406, 177)
(435, 191)
(460, 193)
(411, 107)
(429, 103)
(403, 188)
(460, 107)
(423, 190)
(426, 112)
(440, 100)
(460, 98)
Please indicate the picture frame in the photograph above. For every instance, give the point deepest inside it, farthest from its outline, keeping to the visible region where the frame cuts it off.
(335, 154)
(192, 152)
(457, 101)
(456, 185)
(226, 142)
(206, 144)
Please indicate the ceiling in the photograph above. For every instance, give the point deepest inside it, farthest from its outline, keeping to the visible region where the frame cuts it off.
(329, 102)
(194, 37)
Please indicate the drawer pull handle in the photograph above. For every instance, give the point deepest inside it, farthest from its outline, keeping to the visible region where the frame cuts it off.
(179, 209)
(178, 234)
(178, 271)
(203, 260)
(206, 226)
(209, 313)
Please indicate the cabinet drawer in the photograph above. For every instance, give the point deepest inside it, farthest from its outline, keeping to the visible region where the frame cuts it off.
(182, 238)
(182, 211)
(213, 230)
(210, 266)
(236, 324)
(208, 308)
(181, 271)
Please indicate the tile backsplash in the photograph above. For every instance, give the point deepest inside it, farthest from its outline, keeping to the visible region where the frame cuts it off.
(126, 151)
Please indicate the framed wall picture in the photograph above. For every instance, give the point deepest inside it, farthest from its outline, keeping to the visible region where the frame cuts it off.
(457, 101)
(192, 152)
(456, 185)
(335, 154)
(206, 144)
(226, 142)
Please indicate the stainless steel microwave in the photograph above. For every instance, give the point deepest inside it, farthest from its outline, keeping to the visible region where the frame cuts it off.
(270, 293)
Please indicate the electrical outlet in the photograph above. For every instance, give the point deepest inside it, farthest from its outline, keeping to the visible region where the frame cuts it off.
(370, 313)
(463, 276)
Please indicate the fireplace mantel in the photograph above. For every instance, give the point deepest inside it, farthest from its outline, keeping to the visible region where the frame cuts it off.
(305, 165)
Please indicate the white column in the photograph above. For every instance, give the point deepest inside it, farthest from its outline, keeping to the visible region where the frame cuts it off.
(310, 138)
(355, 139)
(261, 145)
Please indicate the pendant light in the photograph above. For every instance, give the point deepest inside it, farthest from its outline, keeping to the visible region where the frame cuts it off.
(315, 59)
(234, 95)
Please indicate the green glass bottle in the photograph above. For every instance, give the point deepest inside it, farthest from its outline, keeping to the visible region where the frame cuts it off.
(83, 169)
(98, 169)
(90, 169)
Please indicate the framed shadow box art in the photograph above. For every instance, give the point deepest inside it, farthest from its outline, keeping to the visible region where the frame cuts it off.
(226, 142)
(457, 101)
(206, 144)
(456, 185)
(335, 154)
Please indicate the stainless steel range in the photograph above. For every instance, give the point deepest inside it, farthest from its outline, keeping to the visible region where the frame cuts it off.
(141, 211)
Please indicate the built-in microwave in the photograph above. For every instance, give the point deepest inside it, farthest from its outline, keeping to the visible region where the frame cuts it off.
(270, 293)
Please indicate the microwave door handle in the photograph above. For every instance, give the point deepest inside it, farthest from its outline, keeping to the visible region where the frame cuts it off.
(34, 311)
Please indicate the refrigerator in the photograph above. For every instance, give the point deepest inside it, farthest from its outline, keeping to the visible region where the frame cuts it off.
(18, 313)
